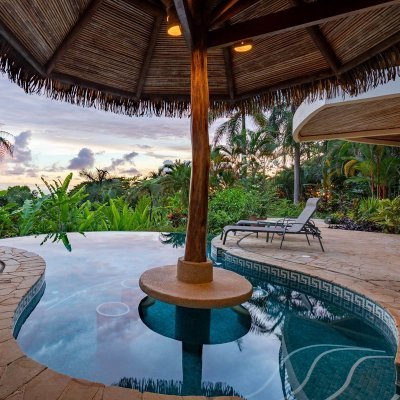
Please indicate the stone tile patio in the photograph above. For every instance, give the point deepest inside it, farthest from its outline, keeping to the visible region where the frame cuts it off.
(368, 263)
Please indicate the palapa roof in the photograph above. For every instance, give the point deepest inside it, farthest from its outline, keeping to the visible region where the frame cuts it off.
(372, 117)
(117, 56)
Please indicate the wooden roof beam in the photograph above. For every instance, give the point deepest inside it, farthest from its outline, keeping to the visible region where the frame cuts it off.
(8, 36)
(228, 9)
(220, 9)
(229, 72)
(82, 22)
(324, 48)
(306, 15)
(186, 19)
(149, 55)
(322, 44)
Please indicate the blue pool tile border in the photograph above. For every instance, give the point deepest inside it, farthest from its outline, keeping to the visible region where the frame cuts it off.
(28, 304)
(351, 301)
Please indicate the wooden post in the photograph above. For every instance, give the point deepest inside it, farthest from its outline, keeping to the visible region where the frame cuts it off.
(198, 205)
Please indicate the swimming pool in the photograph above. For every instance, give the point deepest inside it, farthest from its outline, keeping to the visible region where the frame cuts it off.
(94, 322)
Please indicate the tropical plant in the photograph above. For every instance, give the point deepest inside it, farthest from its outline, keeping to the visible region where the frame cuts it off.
(119, 216)
(177, 180)
(365, 165)
(15, 196)
(97, 176)
(55, 213)
(388, 215)
(6, 144)
(101, 187)
(280, 124)
(222, 174)
(8, 222)
(235, 125)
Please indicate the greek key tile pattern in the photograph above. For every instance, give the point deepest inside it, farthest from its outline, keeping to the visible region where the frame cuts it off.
(350, 301)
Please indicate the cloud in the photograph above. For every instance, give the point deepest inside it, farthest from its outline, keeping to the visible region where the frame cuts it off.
(130, 156)
(55, 167)
(125, 159)
(31, 172)
(84, 159)
(22, 152)
(131, 171)
(17, 170)
(55, 131)
(21, 160)
(159, 156)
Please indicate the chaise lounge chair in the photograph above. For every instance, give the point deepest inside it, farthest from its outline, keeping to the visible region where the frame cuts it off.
(302, 225)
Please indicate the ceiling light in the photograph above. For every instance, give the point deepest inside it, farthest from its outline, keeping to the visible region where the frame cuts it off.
(243, 46)
(173, 25)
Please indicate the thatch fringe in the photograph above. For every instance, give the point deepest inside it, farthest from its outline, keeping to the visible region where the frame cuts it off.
(378, 70)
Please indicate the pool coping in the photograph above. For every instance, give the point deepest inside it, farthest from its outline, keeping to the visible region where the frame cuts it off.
(315, 276)
(21, 377)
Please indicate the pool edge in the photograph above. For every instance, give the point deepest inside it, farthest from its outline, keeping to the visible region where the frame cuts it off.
(20, 283)
(248, 260)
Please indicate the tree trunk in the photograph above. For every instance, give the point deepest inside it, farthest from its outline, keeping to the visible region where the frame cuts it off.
(296, 166)
(195, 250)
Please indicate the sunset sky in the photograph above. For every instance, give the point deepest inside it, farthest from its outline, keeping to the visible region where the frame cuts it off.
(53, 138)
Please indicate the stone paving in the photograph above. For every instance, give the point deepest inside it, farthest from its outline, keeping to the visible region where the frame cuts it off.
(22, 378)
(365, 262)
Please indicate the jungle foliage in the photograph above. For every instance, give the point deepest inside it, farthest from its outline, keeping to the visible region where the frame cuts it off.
(252, 174)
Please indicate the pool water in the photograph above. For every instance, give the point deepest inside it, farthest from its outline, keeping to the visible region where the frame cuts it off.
(94, 322)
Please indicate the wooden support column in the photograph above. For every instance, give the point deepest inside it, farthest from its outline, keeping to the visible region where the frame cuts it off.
(198, 208)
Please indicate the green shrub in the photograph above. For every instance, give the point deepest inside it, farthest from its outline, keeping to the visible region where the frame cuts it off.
(119, 216)
(8, 222)
(365, 209)
(230, 205)
(226, 207)
(388, 215)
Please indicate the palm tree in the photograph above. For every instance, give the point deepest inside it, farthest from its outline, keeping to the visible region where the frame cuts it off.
(6, 144)
(373, 165)
(221, 169)
(98, 176)
(280, 124)
(234, 130)
(235, 126)
(151, 186)
(177, 180)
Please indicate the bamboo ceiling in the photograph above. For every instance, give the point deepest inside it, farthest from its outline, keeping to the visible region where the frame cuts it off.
(117, 56)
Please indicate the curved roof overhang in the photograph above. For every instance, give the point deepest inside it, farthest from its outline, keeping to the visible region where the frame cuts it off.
(372, 117)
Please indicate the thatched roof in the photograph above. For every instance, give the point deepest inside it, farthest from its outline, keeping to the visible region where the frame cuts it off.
(372, 117)
(117, 56)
